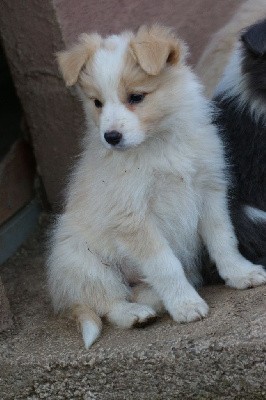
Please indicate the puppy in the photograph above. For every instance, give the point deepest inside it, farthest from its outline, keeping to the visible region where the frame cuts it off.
(241, 101)
(214, 59)
(148, 190)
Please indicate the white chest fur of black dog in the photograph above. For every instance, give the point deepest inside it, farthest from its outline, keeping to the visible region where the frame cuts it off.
(148, 191)
(241, 101)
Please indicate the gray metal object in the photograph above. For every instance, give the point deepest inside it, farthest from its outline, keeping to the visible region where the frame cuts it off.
(16, 230)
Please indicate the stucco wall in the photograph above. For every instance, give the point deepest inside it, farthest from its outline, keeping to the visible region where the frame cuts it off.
(33, 30)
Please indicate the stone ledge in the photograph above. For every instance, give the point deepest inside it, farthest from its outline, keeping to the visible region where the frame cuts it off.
(221, 357)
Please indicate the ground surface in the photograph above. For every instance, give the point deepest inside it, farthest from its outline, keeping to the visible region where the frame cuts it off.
(221, 357)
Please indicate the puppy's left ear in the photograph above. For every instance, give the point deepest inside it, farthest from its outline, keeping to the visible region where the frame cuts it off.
(72, 60)
(154, 47)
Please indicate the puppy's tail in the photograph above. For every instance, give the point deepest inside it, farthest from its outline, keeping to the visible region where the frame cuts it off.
(90, 323)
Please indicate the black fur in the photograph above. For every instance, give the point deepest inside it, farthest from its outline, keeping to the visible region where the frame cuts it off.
(244, 135)
(254, 38)
(245, 142)
(254, 59)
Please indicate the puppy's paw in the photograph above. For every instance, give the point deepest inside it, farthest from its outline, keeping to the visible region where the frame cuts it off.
(128, 315)
(189, 308)
(250, 275)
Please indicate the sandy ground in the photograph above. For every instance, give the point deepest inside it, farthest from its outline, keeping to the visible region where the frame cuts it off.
(43, 355)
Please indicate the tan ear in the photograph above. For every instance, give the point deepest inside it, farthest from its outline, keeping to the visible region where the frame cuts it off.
(71, 61)
(155, 47)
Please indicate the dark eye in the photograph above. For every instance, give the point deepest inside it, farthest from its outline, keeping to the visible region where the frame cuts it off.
(97, 103)
(135, 98)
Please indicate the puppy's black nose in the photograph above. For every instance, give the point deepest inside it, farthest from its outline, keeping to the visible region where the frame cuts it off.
(113, 137)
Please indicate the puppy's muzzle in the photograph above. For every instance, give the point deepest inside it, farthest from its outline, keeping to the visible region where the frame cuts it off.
(113, 137)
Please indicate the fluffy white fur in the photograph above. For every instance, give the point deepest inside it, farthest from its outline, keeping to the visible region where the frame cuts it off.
(145, 208)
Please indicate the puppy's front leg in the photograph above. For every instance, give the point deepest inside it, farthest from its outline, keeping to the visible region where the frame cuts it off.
(218, 234)
(164, 272)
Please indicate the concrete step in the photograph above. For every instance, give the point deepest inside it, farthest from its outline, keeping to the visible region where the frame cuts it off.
(42, 356)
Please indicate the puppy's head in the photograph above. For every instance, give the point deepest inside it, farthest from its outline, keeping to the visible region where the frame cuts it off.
(126, 81)
(254, 58)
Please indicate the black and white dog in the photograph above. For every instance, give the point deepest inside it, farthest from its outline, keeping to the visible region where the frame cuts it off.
(241, 101)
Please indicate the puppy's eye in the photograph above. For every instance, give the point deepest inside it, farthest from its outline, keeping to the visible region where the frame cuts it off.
(97, 103)
(135, 98)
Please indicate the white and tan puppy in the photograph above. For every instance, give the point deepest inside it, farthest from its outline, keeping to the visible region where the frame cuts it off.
(148, 191)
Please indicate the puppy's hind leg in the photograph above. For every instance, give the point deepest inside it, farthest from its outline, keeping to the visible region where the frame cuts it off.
(79, 280)
(145, 294)
(128, 315)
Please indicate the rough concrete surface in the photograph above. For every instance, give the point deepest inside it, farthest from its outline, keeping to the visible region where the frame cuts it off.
(42, 356)
(5, 313)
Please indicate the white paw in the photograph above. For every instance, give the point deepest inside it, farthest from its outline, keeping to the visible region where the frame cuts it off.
(250, 275)
(127, 315)
(189, 308)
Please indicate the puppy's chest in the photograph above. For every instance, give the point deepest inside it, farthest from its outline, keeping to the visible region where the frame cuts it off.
(175, 201)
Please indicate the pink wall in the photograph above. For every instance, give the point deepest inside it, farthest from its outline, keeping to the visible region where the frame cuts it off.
(193, 19)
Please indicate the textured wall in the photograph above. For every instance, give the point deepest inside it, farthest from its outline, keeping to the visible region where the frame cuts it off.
(193, 19)
(31, 35)
(33, 30)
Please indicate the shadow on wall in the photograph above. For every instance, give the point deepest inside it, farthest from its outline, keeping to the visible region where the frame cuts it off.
(18, 212)
(10, 109)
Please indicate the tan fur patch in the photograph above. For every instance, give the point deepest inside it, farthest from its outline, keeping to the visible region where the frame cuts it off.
(135, 81)
(157, 88)
(132, 79)
(154, 47)
(71, 61)
(137, 290)
(89, 88)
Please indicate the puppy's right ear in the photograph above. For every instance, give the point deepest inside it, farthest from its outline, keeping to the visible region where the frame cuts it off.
(254, 38)
(71, 61)
(155, 47)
